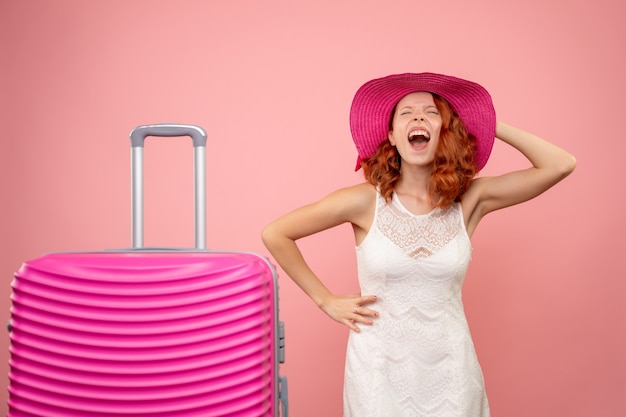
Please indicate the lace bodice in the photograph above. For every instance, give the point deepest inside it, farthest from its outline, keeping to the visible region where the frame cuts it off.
(420, 236)
(418, 358)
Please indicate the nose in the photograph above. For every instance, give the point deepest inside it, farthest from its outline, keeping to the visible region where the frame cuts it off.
(419, 118)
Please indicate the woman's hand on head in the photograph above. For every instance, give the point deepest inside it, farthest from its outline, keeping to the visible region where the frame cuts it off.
(350, 309)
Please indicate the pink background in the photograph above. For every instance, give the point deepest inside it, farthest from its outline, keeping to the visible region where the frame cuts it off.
(272, 82)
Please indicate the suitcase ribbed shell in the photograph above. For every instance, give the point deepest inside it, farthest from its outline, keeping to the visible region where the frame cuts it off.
(143, 334)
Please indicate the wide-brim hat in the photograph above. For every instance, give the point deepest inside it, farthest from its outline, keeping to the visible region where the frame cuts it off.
(373, 102)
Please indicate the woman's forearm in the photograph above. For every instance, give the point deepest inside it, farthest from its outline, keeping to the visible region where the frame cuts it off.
(541, 153)
(287, 254)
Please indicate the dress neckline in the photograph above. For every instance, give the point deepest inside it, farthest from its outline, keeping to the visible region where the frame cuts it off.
(396, 200)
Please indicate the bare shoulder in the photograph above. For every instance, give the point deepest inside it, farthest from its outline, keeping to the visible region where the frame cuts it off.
(363, 194)
(354, 204)
(354, 201)
(359, 203)
(473, 193)
(470, 203)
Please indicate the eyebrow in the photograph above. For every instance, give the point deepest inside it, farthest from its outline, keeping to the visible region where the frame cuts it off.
(407, 106)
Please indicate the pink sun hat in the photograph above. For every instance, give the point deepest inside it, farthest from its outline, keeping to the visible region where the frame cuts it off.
(373, 102)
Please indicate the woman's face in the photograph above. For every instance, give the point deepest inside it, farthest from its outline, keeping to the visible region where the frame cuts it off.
(415, 128)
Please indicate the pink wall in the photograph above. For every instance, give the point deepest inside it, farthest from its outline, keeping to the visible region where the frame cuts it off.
(272, 83)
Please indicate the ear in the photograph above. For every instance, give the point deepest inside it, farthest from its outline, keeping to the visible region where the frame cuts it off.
(391, 139)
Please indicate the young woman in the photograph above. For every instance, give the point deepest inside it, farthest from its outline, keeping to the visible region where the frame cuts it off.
(421, 139)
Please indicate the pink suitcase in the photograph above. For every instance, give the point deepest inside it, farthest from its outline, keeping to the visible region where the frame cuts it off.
(148, 332)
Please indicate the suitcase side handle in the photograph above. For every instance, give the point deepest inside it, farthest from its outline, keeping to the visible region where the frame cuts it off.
(284, 397)
(137, 139)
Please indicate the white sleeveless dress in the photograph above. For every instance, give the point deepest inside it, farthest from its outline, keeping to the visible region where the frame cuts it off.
(418, 359)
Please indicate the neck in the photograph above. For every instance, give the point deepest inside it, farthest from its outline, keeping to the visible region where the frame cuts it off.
(414, 180)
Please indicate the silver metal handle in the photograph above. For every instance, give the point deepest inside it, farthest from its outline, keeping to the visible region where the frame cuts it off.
(137, 139)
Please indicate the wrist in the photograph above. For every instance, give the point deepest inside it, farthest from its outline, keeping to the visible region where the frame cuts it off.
(322, 299)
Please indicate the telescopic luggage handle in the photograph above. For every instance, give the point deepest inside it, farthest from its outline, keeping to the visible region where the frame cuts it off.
(137, 139)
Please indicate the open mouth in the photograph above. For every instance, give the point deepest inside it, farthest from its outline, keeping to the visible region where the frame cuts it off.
(419, 137)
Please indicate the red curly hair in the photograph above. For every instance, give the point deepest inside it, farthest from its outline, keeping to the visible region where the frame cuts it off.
(454, 166)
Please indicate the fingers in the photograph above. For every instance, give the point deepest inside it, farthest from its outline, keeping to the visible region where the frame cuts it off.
(350, 310)
(368, 299)
(360, 308)
(352, 326)
(361, 314)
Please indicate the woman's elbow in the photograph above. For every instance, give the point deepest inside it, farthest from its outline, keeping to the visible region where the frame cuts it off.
(273, 236)
(268, 234)
(567, 165)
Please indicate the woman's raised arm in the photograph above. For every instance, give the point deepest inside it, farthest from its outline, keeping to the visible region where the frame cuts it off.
(550, 164)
